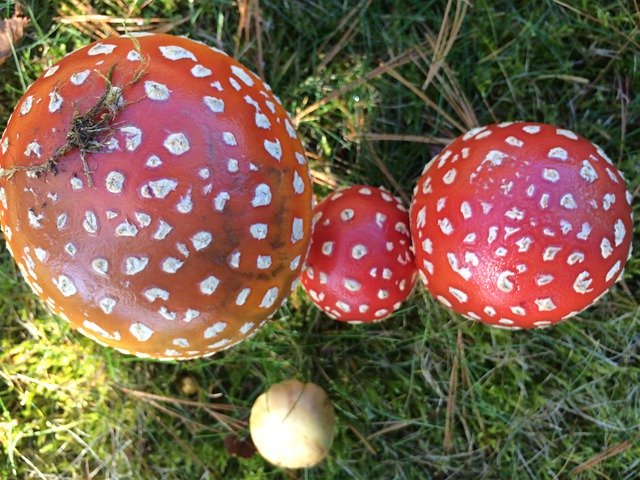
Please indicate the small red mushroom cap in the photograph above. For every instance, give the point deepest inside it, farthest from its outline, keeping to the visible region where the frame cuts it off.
(360, 266)
(520, 225)
(194, 217)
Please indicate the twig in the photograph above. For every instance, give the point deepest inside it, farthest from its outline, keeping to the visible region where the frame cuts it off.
(602, 456)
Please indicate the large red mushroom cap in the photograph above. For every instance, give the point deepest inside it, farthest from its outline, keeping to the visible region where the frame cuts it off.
(520, 225)
(191, 218)
(360, 266)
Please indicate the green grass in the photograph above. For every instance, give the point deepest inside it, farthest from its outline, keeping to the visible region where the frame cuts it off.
(425, 394)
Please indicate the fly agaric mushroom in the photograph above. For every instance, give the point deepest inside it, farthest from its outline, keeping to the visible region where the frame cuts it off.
(155, 195)
(520, 225)
(360, 266)
(292, 423)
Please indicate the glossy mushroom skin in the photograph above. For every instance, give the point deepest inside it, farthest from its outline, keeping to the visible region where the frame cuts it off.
(199, 217)
(360, 266)
(520, 225)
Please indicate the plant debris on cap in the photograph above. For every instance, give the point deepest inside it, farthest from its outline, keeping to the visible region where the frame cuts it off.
(155, 195)
(521, 225)
(360, 266)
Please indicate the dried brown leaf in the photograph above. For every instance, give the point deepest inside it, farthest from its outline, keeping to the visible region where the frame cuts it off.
(11, 31)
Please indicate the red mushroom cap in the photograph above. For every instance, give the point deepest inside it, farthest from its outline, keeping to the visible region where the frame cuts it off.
(520, 225)
(360, 266)
(193, 218)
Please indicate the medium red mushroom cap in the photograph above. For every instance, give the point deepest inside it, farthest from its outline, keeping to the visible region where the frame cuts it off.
(191, 219)
(360, 266)
(520, 225)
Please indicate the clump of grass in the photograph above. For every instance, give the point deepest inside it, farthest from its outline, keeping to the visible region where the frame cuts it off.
(425, 394)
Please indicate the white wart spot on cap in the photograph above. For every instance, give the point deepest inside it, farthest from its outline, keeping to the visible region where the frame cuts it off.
(514, 142)
(352, 285)
(177, 143)
(273, 148)
(33, 148)
(545, 304)
(551, 175)
(126, 229)
(269, 298)
(171, 265)
(143, 219)
(234, 259)
(215, 329)
(65, 285)
(27, 103)
(608, 200)
(259, 231)
(34, 219)
(297, 232)
(504, 283)
(619, 232)
(172, 52)
(90, 223)
(55, 101)
(445, 226)
(262, 196)
(450, 176)
(80, 77)
(185, 205)
(163, 230)
(575, 257)
(190, 314)
(587, 172)
(141, 332)
(568, 202)
(71, 249)
(298, 183)
(51, 71)
(100, 266)
(200, 71)
(107, 305)
(159, 188)
(216, 105)
(153, 161)
(613, 271)
(229, 138)
(115, 182)
(221, 200)
(465, 209)
(201, 240)
(134, 265)
(295, 263)
(582, 283)
(101, 49)
(567, 133)
(243, 75)
(559, 153)
(461, 296)
(605, 248)
(544, 279)
(347, 214)
(209, 285)
(550, 253)
(167, 314)
(531, 129)
(156, 91)
(242, 296)
(359, 251)
(154, 293)
(133, 56)
(263, 262)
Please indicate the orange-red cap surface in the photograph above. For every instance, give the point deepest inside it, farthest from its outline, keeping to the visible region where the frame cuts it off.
(194, 218)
